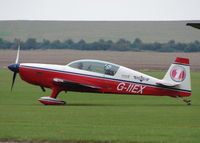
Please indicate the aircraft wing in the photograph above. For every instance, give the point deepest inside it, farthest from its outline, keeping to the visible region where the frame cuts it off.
(195, 25)
(68, 84)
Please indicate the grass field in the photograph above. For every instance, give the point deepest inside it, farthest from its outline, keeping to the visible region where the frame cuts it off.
(97, 117)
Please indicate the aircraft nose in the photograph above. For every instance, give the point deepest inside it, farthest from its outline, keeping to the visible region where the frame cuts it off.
(14, 67)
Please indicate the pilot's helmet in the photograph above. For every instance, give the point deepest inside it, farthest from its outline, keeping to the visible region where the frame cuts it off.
(107, 67)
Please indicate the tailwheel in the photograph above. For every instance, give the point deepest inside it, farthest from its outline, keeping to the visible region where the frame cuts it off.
(187, 101)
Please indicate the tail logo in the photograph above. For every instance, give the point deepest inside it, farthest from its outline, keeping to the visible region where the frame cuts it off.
(178, 74)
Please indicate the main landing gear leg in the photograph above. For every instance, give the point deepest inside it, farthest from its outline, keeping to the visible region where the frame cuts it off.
(188, 102)
(52, 99)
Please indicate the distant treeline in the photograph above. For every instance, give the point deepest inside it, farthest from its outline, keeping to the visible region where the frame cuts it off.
(120, 45)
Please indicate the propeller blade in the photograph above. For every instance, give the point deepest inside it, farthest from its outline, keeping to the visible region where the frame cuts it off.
(13, 80)
(15, 67)
(17, 58)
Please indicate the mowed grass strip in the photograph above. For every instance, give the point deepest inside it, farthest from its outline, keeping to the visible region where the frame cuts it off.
(97, 117)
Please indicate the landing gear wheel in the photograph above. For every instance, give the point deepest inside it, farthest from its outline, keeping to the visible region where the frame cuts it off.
(51, 101)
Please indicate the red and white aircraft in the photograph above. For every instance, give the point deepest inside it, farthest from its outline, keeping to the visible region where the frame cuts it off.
(103, 77)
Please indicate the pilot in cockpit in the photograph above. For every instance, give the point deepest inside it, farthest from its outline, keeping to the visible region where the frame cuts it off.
(80, 65)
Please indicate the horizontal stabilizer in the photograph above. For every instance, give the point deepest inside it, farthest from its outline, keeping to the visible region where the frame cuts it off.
(165, 83)
(195, 25)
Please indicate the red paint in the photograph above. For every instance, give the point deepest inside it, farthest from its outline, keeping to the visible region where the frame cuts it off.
(55, 91)
(182, 60)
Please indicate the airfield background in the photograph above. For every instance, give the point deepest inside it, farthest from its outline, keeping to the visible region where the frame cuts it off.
(167, 36)
(97, 117)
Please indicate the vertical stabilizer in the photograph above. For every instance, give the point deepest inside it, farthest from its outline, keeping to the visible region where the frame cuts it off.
(179, 75)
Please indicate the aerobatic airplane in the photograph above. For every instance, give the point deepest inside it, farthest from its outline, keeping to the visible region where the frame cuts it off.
(103, 77)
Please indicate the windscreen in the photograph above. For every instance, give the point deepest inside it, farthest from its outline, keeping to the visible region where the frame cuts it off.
(95, 66)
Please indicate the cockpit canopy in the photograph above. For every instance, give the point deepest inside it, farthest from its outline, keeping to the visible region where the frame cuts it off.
(95, 66)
